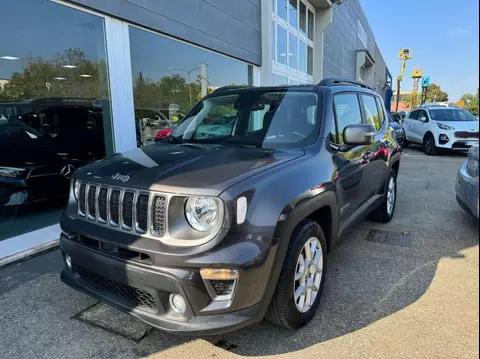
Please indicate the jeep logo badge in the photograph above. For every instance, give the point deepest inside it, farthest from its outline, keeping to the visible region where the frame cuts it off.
(122, 178)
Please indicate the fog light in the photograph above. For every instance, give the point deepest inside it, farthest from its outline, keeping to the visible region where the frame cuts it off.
(444, 139)
(220, 283)
(223, 287)
(177, 303)
(68, 260)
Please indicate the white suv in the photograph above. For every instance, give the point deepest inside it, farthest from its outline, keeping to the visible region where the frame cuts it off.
(441, 127)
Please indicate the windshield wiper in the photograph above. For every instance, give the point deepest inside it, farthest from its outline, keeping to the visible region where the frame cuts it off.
(236, 142)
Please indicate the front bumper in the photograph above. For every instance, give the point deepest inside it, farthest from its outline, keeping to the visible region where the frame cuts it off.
(142, 286)
(466, 189)
(448, 140)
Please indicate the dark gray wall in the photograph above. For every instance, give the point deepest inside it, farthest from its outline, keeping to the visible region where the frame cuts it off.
(231, 27)
(342, 42)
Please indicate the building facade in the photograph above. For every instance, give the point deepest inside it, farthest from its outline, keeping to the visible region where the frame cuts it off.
(83, 79)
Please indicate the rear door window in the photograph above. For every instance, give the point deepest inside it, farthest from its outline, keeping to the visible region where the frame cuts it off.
(414, 115)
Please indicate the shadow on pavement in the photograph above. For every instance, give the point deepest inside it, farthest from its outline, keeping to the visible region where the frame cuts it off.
(440, 152)
(366, 282)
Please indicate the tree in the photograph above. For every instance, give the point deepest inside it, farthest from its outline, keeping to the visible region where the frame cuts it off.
(471, 103)
(407, 100)
(435, 94)
(50, 78)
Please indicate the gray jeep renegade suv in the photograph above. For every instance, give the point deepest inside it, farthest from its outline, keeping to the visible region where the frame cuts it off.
(232, 219)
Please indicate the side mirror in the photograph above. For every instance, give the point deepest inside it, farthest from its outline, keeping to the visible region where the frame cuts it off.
(358, 134)
(423, 119)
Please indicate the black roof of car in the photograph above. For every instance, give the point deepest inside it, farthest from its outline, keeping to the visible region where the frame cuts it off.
(327, 82)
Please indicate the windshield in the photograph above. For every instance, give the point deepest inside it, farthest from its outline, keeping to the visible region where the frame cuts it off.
(451, 115)
(282, 118)
(15, 128)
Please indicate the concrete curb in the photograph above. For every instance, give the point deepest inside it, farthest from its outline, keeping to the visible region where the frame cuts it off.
(28, 253)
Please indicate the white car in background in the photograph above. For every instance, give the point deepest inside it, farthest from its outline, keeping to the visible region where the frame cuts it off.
(438, 127)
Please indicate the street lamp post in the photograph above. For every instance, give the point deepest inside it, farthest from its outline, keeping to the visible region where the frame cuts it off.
(188, 72)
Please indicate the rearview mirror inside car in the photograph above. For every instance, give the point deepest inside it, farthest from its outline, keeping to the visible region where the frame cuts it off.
(361, 134)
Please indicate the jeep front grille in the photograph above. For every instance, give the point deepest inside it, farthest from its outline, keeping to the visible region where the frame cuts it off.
(127, 210)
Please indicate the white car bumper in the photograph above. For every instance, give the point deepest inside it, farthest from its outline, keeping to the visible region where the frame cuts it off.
(456, 140)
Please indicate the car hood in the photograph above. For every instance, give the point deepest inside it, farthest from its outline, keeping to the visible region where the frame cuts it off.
(184, 168)
(471, 126)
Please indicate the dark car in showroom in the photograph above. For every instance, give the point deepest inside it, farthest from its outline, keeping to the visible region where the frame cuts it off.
(208, 234)
(41, 148)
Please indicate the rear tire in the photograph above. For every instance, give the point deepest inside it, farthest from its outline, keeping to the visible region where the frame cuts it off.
(385, 212)
(429, 145)
(286, 308)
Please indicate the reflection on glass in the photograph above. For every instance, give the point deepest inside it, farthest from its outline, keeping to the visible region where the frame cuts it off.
(170, 77)
(258, 118)
(310, 61)
(281, 45)
(282, 9)
(303, 19)
(54, 108)
(292, 51)
(293, 13)
(279, 80)
(272, 44)
(302, 56)
(310, 25)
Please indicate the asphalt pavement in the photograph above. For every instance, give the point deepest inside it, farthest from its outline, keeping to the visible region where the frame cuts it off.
(409, 293)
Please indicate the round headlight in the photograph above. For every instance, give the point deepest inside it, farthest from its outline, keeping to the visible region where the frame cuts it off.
(201, 213)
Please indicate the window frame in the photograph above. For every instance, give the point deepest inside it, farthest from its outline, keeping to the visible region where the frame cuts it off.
(286, 70)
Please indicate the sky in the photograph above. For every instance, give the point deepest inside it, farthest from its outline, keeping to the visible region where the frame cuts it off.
(442, 34)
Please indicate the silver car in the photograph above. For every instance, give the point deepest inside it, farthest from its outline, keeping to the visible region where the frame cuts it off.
(466, 186)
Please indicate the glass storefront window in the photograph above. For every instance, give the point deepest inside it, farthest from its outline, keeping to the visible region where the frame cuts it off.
(302, 56)
(303, 19)
(279, 80)
(292, 51)
(281, 45)
(170, 77)
(310, 61)
(310, 25)
(272, 44)
(293, 13)
(282, 9)
(54, 108)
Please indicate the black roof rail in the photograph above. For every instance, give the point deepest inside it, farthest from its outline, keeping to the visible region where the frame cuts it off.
(230, 87)
(338, 81)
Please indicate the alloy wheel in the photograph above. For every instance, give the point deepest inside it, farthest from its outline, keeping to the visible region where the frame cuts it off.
(391, 194)
(308, 274)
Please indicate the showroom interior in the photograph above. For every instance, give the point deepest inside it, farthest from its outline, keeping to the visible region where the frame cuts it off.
(84, 79)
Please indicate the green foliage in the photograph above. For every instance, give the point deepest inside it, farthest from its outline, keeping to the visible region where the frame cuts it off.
(407, 99)
(435, 94)
(471, 103)
(38, 78)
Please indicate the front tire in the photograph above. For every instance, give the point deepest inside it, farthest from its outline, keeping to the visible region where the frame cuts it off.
(302, 279)
(384, 213)
(429, 145)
